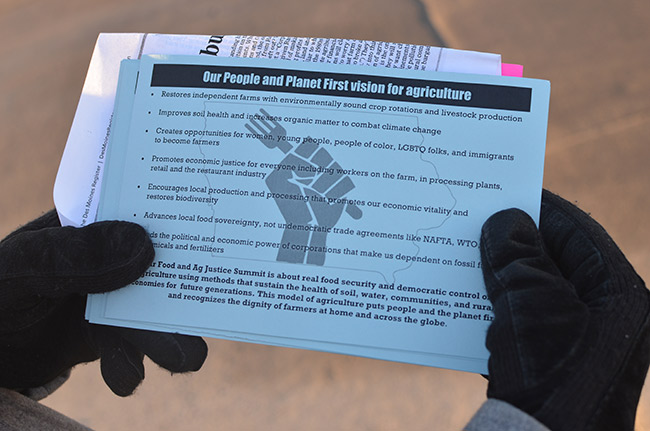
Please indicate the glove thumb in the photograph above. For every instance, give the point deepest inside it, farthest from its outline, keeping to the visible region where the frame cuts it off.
(56, 261)
(538, 317)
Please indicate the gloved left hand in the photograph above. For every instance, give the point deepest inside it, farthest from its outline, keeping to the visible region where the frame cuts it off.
(46, 271)
(570, 339)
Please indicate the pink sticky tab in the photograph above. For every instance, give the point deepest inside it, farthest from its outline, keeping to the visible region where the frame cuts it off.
(508, 69)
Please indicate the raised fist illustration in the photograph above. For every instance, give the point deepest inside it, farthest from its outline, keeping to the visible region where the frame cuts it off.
(308, 187)
(310, 202)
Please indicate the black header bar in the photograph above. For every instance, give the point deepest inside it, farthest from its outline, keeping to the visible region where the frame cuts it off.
(343, 85)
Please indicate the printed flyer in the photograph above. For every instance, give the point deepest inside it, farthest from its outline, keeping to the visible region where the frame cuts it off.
(320, 206)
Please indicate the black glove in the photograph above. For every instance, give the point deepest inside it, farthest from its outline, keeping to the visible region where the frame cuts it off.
(46, 271)
(569, 343)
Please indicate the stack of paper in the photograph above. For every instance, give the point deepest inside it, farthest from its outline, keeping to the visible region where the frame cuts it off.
(327, 194)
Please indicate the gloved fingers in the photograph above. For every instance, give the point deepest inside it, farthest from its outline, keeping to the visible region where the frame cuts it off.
(59, 261)
(174, 352)
(538, 315)
(120, 361)
(585, 253)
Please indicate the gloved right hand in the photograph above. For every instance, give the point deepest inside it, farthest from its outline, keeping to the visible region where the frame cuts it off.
(570, 341)
(46, 271)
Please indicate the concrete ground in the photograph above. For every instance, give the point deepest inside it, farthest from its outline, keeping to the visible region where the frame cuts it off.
(594, 52)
